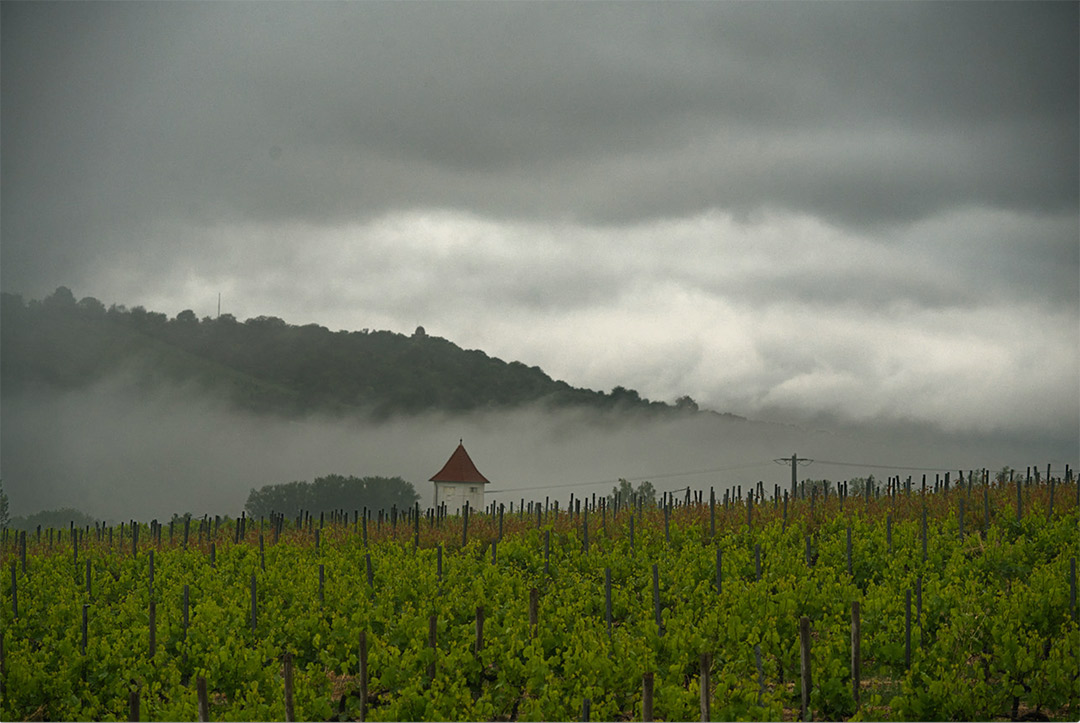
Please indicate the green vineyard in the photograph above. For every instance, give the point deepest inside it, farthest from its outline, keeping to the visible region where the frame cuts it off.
(956, 602)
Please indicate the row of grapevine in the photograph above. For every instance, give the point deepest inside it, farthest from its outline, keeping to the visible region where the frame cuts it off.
(967, 610)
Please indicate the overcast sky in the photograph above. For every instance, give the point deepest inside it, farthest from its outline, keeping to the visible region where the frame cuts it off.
(851, 211)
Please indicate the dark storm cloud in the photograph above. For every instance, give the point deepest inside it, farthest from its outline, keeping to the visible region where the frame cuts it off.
(116, 116)
(766, 205)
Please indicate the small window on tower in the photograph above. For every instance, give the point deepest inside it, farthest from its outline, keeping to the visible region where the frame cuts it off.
(472, 489)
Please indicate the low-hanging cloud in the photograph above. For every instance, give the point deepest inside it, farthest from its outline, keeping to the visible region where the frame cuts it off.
(118, 452)
(903, 329)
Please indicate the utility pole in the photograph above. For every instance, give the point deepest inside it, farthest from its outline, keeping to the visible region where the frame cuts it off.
(794, 460)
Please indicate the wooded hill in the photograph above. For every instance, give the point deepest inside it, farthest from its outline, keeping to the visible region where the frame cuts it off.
(267, 365)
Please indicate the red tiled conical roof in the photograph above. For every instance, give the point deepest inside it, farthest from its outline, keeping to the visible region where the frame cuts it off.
(459, 468)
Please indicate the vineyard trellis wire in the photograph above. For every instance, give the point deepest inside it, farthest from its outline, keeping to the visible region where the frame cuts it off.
(970, 615)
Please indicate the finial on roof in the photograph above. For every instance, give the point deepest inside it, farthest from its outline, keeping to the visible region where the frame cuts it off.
(460, 441)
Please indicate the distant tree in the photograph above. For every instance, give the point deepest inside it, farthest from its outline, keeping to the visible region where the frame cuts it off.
(266, 322)
(822, 486)
(62, 298)
(330, 493)
(686, 404)
(627, 494)
(11, 301)
(57, 519)
(178, 519)
(858, 485)
(288, 497)
(187, 316)
(622, 395)
(622, 492)
(91, 306)
(647, 492)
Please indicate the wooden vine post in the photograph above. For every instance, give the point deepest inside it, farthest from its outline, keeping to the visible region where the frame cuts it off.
(479, 629)
(153, 629)
(705, 685)
(849, 550)
(856, 655)
(719, 571)
(907, 629)
(923, 530)
(656, 598)
(712, 513)
(647, 697)
(607, 599)
(287, 674)
(547, 551)
(433, 627)
(363, 675)
(1072, 586)
(804, 658)
(204, 701)
(465, 525)
(184, 614)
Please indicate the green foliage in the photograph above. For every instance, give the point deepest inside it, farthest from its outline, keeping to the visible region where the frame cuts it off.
(995, 630)
(332, 492)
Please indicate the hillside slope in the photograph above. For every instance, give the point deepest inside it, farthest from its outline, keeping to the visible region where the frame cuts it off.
(266, 365)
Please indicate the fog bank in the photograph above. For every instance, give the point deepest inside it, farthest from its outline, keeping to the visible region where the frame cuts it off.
(118, 453)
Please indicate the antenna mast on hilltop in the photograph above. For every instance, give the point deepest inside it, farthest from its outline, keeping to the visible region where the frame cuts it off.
(794, 460)
(219, 304)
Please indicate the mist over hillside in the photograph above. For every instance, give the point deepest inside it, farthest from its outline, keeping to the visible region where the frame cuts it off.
(118, 452)
(127, 414)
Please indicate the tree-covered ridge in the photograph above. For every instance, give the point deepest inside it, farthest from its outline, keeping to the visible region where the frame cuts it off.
(266, 364)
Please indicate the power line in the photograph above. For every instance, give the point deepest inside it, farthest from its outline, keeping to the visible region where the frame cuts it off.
(887, 466)
(795, 460)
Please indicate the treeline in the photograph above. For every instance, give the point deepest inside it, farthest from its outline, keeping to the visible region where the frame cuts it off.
(265, 364)
(331, 493)
(59, 519)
